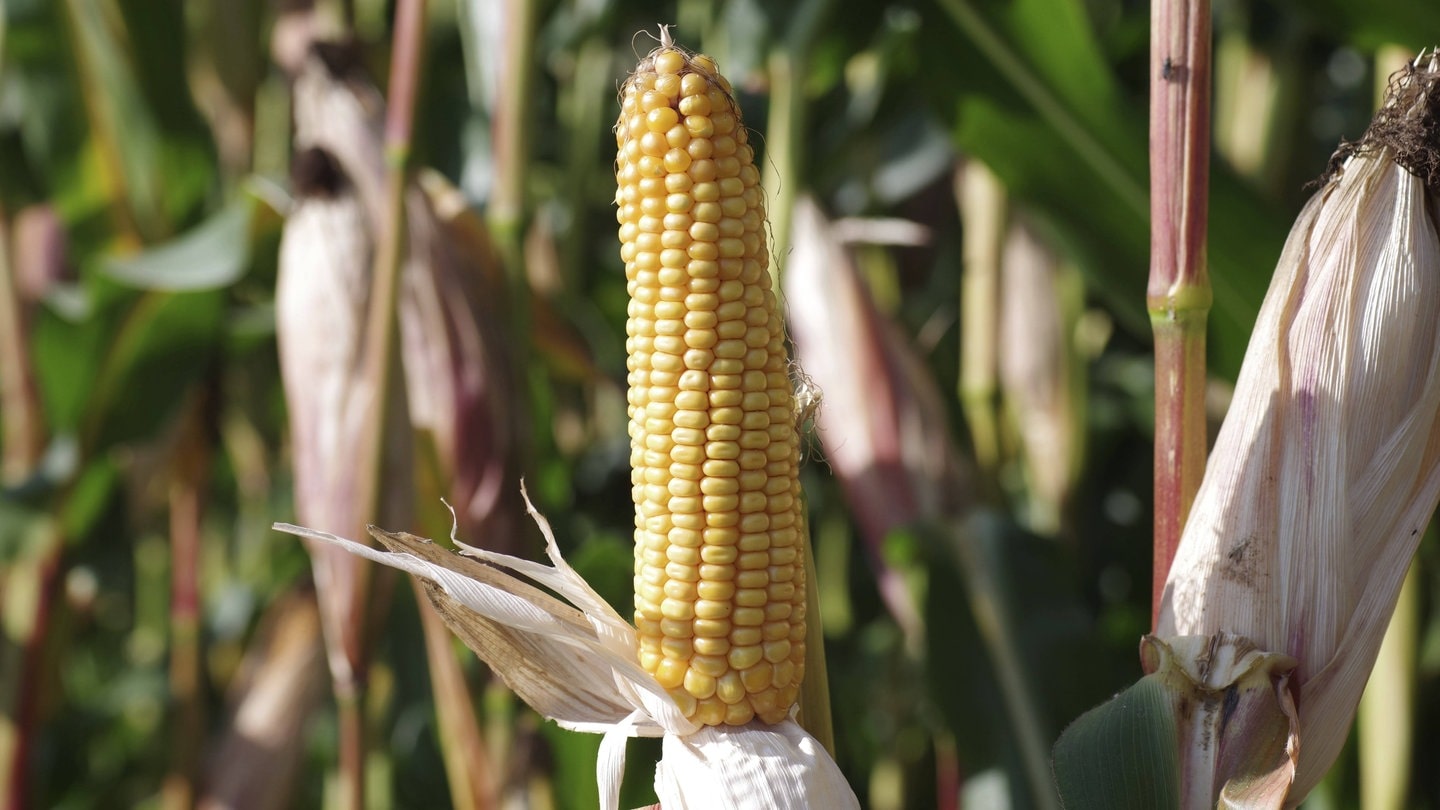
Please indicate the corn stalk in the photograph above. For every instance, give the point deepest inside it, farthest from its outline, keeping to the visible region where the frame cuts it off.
(1178, 295)
(188, 484)
(382, 339)
(28, 584)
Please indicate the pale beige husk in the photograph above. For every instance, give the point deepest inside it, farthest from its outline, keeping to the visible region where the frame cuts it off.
(1327, 468)
(573, 660)
(1035, 365)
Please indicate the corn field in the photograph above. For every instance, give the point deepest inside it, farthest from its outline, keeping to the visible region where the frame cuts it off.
(785, 375)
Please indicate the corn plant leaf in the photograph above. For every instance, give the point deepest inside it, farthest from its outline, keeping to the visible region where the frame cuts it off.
(1376, 23)
(122, 123)
(1052, 123)
(167, 341)
(1122, 754)
(1214, 722)
(117, 369)
(212, 255)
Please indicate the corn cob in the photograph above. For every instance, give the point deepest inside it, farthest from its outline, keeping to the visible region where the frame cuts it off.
(719, 577)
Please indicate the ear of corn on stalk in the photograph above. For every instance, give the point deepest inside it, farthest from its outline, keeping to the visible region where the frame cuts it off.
(1328, 464)
(574, 659)
(719, 579)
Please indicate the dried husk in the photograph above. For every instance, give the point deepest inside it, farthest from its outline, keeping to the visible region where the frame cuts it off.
(573, 660)
(882, 422)
(460, 385)
(323, 287)
(1234, 716)
(1327, 467)
(280, 684)
(1035, 372)
(450, 331)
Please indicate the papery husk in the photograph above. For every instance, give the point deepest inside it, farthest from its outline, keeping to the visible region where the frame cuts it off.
(458, 384)
(321, 298)
(753, 766)
(281, 683)
(1035, 372)
(573, 660)
(882, 421)
(1327, 467)
(1234, 716)
(451, 305)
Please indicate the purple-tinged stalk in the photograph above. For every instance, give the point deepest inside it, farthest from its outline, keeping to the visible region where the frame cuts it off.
(22, 282)
(1178, 295)
(349, 420)
(28, 584)
(1327, 467)
(189, 476)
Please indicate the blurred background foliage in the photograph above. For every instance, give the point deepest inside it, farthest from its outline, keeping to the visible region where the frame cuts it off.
(980, 166)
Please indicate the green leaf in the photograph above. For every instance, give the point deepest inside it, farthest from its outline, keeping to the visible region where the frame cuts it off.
(1050, 121)
(1121, 754)
(210, 256)
(1375, 23)
(166, 342)
(607, 563)
(89, 499)
(67, 349)
(126, 134)
(1029, 580)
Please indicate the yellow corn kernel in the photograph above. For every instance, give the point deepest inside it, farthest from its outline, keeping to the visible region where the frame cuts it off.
(718, 569)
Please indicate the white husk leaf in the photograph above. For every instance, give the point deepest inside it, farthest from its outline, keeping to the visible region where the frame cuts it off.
(578, 668)
(755, 765)
(1328, 465)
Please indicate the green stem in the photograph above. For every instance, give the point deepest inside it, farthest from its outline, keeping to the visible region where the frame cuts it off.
(1386, 724)
(511, 134)
(22, 426)
(381, 368)
(981, 200)
(1178, 295)
(350, 710)
(815, 692)
(785, 130)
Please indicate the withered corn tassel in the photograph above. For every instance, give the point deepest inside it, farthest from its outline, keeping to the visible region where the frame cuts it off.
(719, 578)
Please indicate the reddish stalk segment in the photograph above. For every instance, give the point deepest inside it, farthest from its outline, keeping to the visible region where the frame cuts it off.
(1179, 295)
